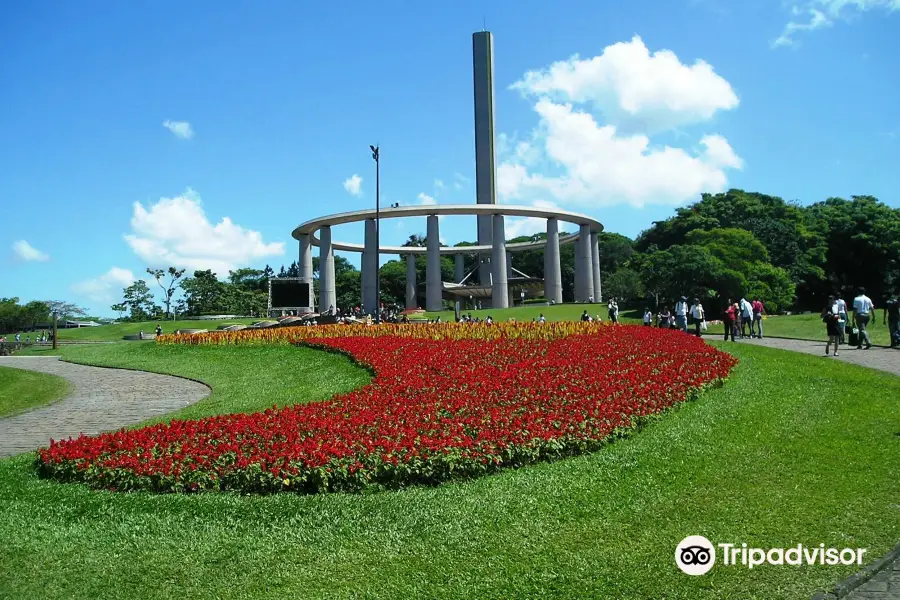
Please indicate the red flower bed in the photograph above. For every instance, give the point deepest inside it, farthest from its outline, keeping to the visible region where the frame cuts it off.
(436, 409)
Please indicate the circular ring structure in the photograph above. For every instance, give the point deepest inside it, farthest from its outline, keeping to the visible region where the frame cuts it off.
(311, 227)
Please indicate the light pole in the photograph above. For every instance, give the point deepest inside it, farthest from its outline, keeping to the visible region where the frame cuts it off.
(375, 157)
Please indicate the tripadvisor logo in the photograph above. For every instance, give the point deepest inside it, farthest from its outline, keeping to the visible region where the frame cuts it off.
(696, 555)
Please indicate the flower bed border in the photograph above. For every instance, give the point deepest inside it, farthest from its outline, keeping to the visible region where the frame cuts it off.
(351, 472)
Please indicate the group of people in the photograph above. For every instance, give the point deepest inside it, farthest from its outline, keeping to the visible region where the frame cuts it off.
(38, 338)
(681, 317)
(742, 316)
(390, 313)
(838, 324)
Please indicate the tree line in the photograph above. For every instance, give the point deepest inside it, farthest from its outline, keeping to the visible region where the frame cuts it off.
(16, 317)
(726, 245)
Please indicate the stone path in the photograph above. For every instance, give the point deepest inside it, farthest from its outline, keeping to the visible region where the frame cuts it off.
(883, 359)
(883, 584)
(102, 400)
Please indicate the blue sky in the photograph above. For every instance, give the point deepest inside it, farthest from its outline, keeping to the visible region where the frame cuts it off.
(271, 108)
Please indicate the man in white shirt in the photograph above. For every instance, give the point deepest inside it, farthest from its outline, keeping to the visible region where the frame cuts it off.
(746, 317)
(698, 316)
(681, 311)
(863, 307)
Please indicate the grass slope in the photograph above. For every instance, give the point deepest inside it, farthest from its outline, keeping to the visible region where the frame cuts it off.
(804, 327)
(23, 390)
(792, 449)
(116, 332)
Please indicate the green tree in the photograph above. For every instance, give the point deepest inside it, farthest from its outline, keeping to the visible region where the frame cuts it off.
(253, 280)
(139, 300)
(862, 237)
(393, 282)
(204, 294)
(738, 249)
(167, 288)
(791, 235)
(64, 309)
(625, 285)
(615, 251)
(687, 270)
(348, 289)
(120, 308)
(772, 285)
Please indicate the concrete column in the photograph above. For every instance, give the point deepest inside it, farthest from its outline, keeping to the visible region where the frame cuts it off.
(411, 281)
(327, 297)
(433, 291)
(369, 268)
(552, 269)
(485, 229)
(459, 267)
(306, 267)
(595, 266)
(500, 289)
(584, 281)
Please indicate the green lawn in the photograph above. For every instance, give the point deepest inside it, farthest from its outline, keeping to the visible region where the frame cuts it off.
(23, 390)
(804, 327)
(118, 331)
(793, 449)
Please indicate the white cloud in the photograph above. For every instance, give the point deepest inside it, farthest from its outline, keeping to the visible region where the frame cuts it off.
(181, 129)
(460, 181)
(353, 184)
(719, 152)
(425, 199)
(27, 252)
(176, 232)
(823, 13)
(598, 167)
(634, 89)
(107, 287)
(518, 226)
(816, 20)
(439, 185)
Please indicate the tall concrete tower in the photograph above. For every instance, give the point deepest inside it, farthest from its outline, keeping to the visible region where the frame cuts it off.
(485, 166)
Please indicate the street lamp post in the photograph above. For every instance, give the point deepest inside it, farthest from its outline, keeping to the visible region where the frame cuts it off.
(376, 157)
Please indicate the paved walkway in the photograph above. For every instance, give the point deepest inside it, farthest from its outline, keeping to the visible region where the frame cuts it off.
(102, 400)
(885, 583)
(883, 359)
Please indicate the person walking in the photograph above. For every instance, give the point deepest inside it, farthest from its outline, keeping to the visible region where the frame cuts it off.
(831, 316)
(681, 311)
(842, 307)
(758, 312)
(862, 311)
(698, 316)
(731, 313)
(892, 318)
(648, 317)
